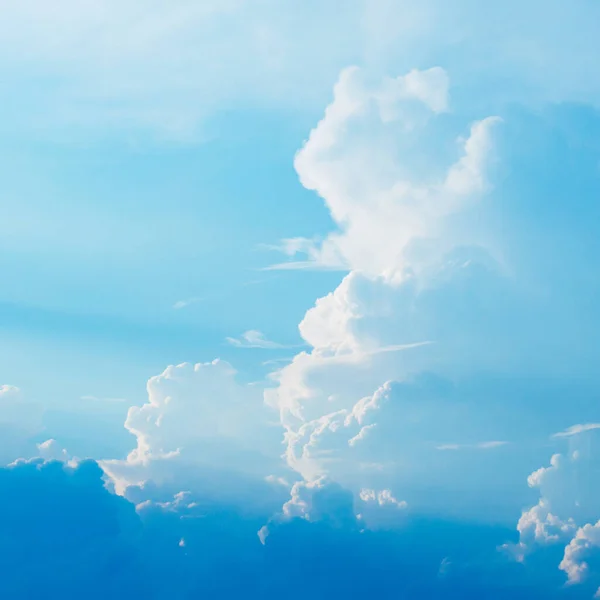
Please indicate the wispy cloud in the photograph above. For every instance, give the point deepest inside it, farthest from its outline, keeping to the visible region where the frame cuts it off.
(479, 446)
(576, 429)
(305, 265)
(277, 361)
(185, 303)
(399, 347)
(255, 339)
(316, 258)
(449, 447)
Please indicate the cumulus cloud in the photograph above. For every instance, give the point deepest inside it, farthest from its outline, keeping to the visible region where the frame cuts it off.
(326, 502)
(51, 450)
(380, 509)
(383, 498)
(197, 415)
(359, 159)
(584, 544)
(441, 270)
(566, 515)
(320, 500)
(378, 204)
(89, 542)
(538, 526)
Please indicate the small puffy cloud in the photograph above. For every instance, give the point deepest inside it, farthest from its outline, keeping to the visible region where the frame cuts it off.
(181, 501)
(382, 498)
(48, 451)
(51, 450)
(320, 500)
(379, 509)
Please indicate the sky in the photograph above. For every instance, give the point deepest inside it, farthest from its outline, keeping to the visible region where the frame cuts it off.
(300, 299)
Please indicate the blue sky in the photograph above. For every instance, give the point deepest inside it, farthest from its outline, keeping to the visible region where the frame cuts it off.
(324, 280)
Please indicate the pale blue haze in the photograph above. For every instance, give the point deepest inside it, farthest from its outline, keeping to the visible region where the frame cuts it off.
(299, 299)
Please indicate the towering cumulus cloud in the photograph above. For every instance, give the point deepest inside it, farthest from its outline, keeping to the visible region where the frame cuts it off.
(402, 201)
(440, 327)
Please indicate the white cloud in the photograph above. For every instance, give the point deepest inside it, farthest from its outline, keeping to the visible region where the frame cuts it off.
(255, 339)
(360, 160)
(576, 429)
(380, 441)
(382, 498)
(196, 415)
(379, 205)
(319, 500)
(538, 526)
(380, 509)
(185, 303)
(278, 480)
(478, 446)
(181, 501)
(568, 510)
(51, 450)
(432, 271)
(568, 485)
(584, 544)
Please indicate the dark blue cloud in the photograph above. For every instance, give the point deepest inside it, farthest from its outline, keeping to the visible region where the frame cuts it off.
(64, 535)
